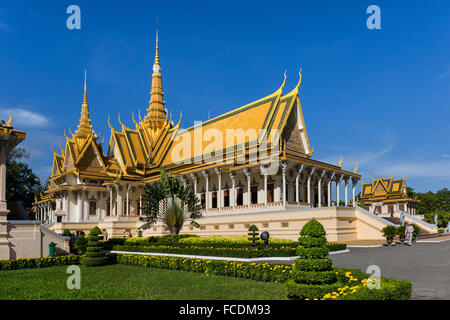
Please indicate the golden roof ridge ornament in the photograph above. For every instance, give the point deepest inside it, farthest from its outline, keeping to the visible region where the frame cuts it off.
(311, 153)
(156, 113)
(300, 79)
(284, 82)
(132, 117)
(340, 162)
(84, 128)
(356, 167)
(8, 124)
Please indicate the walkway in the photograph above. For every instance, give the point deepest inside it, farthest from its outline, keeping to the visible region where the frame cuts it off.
(426, 265)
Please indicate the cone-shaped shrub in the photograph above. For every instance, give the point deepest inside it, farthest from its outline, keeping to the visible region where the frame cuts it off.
(94, 254)
(253, 233)
(313, 272)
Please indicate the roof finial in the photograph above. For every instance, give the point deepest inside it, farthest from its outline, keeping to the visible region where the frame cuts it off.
(156, 65)
(84, 128)
(156, 113)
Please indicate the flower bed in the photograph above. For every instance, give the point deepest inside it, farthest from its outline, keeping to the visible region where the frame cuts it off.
(228, 240)
(23, 263)
(348, 287)
(255, 271)
(356, 289)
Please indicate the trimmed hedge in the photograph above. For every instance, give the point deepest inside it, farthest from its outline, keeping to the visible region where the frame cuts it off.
(222, 240)
(302, 291)
(24, 263)
(313, 264)
(312, 272)
(313, 253)
(244, 252)
(236, 251)
(314, 277)
(255, 271)
(94, 254)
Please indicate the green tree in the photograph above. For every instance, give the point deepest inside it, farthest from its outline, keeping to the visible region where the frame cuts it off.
(429, 202)
(81, 244)
(21, 182)
(170, 202)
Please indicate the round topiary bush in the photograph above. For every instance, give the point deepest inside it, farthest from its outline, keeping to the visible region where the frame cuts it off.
(313, 272)
(94, 255)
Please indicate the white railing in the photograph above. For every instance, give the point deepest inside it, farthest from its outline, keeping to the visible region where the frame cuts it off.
(254, 207)
(121, 218)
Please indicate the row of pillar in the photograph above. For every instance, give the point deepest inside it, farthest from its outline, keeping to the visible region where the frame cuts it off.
(263, 170)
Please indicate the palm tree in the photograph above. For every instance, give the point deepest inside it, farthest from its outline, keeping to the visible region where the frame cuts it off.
(170, 202)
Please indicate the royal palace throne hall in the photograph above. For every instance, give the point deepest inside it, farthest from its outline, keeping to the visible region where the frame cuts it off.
(251, 165)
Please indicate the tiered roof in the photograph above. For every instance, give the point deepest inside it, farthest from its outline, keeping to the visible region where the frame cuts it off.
(136, 155)
(385, 190)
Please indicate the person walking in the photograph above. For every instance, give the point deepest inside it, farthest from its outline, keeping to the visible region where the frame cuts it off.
(409, 233)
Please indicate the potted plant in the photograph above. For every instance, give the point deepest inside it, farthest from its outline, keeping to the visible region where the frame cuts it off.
(400, 231)
(389, 233)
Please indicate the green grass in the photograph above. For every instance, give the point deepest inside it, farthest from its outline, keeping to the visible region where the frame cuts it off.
(131, 282)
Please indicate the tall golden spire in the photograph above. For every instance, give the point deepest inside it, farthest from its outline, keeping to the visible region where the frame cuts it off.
(156, 113)
(84, 128)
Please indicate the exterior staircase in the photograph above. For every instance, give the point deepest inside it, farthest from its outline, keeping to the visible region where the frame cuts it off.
(424, 233)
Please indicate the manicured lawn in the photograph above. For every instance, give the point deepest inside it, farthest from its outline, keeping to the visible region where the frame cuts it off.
(131, 282)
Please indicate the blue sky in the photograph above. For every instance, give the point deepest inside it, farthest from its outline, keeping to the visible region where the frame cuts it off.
(378, 97)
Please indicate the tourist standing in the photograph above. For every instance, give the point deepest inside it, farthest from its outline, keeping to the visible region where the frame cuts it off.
(409, 233)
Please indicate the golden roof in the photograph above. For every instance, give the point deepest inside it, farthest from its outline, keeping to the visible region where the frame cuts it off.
(271, 124)
(384, 189)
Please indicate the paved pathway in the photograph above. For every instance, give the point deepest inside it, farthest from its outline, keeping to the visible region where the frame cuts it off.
(426, 265)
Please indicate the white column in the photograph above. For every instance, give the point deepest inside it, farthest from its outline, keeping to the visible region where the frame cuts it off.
(66, 196)
(283, 169)
(140, 201)
(264, 174)
(119, 200)
(319, 188)
(233, 189)
(338, 182)
(111, 208)
(354, 182)
(86, 213)
(195, 179)
(330, 180)
(3, 155)
(345, 191)
(249, 197)
(311, 172)
(206, 175)
(219, 192)
(297, 180)
(79, 195)
(127, 205)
